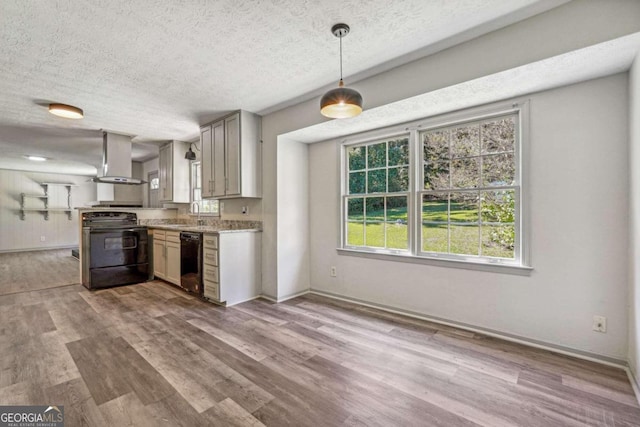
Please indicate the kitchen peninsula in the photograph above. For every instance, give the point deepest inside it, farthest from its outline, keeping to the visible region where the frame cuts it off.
(227, 254)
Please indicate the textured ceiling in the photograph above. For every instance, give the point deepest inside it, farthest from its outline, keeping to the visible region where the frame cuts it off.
(595, 61)
(156, 69)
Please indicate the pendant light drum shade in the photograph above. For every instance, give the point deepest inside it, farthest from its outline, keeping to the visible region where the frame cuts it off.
(342, 102)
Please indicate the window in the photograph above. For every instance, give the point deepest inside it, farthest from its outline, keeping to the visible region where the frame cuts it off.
(154, 184)
(378, 194)
(446, 192)
(469, 189)
(208, 207)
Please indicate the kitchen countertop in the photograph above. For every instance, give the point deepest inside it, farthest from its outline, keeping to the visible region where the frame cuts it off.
(121, 208)
(202, 228)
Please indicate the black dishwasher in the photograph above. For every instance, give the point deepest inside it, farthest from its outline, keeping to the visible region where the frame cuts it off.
(191, 262)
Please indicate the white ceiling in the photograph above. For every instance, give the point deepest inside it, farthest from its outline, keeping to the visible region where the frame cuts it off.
(157, 69)
(603, 59)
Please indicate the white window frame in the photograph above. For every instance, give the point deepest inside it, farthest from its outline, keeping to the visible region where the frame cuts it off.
(346, 196)
(519, 265)
(192, 191)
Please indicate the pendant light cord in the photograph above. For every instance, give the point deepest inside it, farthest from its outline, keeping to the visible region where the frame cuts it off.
(340, 56)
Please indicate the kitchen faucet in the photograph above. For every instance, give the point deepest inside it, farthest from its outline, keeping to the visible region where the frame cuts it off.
(196, 204)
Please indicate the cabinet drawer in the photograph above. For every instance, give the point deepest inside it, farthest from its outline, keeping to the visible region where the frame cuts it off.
(211, 290)
(173, 236)
(211, 241)
(210, 273)
(210, 257)
(159, 234)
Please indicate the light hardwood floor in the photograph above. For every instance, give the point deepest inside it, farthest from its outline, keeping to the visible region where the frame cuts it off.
(151, 355)
(28, 271)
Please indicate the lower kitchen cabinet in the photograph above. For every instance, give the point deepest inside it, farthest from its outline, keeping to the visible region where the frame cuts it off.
(231, 266)
(159, 264)
(166, 255)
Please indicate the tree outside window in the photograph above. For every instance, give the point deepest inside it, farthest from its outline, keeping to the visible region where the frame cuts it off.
(378, 186)
(470, 189)
(449, 192)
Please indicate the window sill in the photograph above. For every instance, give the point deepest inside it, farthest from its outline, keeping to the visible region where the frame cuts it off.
(467, 265)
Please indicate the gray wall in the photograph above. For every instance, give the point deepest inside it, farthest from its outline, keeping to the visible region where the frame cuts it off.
(564, 29)
(577, 203)
(634, 218)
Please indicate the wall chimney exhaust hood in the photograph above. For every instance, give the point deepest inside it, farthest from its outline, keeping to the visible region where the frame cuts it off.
(116, 160)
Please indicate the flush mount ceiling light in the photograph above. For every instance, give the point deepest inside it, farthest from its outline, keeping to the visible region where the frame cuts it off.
(190, 155)
(36, 158)
(66, 111)
(341, 103)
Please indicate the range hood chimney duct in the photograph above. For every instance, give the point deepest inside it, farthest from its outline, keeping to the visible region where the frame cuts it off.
(116, 160)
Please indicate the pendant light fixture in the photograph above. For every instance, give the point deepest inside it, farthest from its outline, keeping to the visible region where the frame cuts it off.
(341, 103)
(66, 111)
(190, 155)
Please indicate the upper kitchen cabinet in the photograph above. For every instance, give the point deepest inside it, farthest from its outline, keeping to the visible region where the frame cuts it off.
(174, 173)
(231, 157)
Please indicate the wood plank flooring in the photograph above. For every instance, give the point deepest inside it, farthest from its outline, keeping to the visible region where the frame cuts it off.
(151, 355)
(29, 271)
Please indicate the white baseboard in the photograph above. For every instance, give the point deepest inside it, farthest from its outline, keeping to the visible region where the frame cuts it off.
(285, 298)
(3, 251)
(244, 300)
(634, 383)
(268, 298)
(567, 351)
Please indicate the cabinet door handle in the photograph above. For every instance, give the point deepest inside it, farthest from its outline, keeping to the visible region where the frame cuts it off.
(226, 184)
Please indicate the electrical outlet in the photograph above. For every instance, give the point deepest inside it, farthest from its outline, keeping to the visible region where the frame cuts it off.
(600, 324)
(334, 271)
(221, 206)
(43, 238)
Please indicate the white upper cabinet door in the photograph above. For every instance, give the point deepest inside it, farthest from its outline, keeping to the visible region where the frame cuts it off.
(232, 149)
(232, 157)
(219, 184)
(206, 144)
(166, 178)
(174, 172)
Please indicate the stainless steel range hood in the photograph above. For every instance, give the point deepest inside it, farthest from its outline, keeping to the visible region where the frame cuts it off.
(116, 160)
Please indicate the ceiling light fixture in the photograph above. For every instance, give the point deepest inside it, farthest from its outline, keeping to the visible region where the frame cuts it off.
(190, 155)
(66, 111)
(36, 158)
(341, 103)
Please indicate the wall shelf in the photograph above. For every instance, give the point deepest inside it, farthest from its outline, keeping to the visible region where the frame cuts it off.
(45, 200)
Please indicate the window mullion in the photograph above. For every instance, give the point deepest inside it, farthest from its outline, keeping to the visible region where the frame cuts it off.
(414, 222)
(480, 184)
(384, 221)
(450, 151)
(491, 137)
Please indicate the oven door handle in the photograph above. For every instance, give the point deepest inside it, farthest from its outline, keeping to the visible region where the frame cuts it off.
(134, 230)
(115, 230)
